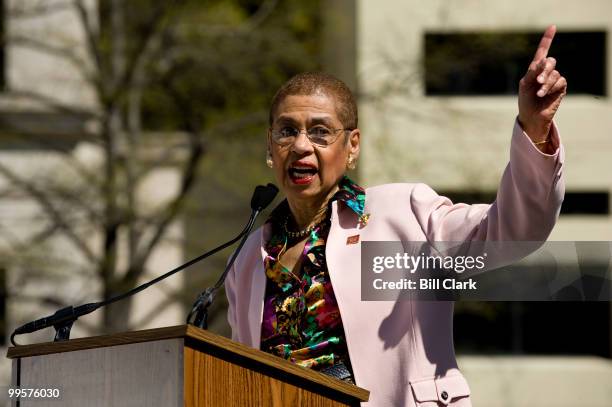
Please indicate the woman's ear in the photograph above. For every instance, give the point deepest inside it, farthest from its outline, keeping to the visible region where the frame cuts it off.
(354, 139)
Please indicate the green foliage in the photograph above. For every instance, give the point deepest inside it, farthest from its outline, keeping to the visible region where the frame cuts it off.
(222, 66)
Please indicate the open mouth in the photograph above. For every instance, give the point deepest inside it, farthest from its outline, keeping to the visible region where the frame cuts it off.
(302, 173)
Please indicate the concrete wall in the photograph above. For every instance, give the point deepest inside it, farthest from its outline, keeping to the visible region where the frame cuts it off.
(517, 381)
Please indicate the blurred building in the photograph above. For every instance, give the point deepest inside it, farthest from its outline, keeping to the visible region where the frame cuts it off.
(437, 83)
(47, 113)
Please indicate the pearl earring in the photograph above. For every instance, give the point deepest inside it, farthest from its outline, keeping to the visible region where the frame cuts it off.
(269, 161)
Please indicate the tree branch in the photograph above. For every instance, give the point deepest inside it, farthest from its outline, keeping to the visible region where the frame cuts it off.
(172, 209)
(221, 130)
(50, 209)
(83, 172)
(149, 34)
(78, 200)
(12, 239)
(51, 103)
(253, 22)
(90, 35)
(170, 299)
(54, 50)
(19, 246)
(38, 10)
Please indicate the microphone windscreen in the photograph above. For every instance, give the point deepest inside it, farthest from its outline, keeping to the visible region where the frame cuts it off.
(263, 196)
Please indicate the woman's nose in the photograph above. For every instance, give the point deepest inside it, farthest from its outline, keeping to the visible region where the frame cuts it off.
(302, 143)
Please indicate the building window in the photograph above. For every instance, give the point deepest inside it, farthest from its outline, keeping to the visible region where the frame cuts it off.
(574, 202)
(537, 328)
(492, 63)
(586, 203)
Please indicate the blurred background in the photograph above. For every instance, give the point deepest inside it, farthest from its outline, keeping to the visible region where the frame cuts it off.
(132, 134)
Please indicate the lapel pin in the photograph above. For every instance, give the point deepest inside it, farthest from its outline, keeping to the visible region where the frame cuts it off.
(352, 239)
(363, 219)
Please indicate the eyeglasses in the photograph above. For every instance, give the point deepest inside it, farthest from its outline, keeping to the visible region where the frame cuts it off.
(319, 135)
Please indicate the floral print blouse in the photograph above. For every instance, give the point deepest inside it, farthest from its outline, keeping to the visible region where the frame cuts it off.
(301, 319)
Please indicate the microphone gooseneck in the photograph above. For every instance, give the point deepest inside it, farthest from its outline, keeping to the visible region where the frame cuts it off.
(63, 319)
(198, 316)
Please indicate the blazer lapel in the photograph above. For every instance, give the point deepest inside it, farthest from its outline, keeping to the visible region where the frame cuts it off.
(343, 246)
(258, 291)
(344, 265)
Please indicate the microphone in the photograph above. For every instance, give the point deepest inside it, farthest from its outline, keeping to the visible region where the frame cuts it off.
(198, 316)
(63, 319)
(263, 196)
(60, 317)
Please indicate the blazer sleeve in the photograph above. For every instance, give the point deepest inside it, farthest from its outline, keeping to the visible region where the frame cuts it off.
(526, 208)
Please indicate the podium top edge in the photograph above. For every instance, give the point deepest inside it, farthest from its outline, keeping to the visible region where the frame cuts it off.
(192, 333)
(122, 338)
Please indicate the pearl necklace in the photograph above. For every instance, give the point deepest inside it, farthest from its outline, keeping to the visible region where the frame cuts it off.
(303, 232)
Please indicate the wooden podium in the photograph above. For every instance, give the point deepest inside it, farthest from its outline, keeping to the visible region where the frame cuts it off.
(174, 366)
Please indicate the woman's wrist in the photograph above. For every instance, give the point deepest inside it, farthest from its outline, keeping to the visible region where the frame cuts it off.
(544, 145)
(540, 136)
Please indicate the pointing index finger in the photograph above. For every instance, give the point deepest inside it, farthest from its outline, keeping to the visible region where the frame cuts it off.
(545, 43)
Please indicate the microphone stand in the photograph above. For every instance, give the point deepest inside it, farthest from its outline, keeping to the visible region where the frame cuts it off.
(63, 319)
(198, 316)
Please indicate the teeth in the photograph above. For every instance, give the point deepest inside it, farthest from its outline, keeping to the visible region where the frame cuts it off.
(303, 169)
(302, 172)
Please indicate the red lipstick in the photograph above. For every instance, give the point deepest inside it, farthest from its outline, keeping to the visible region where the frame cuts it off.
(302, 173)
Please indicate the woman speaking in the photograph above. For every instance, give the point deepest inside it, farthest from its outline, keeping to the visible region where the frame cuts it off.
(294, 291)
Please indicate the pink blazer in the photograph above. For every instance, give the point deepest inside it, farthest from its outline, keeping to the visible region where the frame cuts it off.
(402, 352)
